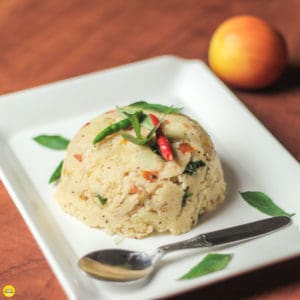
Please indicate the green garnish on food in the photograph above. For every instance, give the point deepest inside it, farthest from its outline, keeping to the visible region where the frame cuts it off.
(136, 119)
(192, 166)
(57, 173)
(139, 140)
(123, 124)
(185, 196)
(157, 107)
(212, 262)
(146, 121)
(55, 142)
(101, 199)
(264, 204)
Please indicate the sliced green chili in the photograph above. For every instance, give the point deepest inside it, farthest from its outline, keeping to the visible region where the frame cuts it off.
(123, 124)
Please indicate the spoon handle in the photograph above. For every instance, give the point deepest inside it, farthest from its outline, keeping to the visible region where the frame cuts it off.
(229, 235)
(195, 242)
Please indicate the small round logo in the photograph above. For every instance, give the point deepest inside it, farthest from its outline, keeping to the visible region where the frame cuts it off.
(9, 291)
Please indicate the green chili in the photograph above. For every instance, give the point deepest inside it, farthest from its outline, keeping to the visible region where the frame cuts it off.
(123, 124)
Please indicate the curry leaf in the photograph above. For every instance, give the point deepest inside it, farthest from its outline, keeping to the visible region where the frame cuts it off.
(147, 123)
(212, 262)
(157, 107)
(185, 196)
(101, 199)
(55, 142)
(124, 110)
(57, 173)
(192, 166)
(264, 204)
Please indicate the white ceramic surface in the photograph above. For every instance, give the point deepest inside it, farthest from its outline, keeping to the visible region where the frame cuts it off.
(252, 160)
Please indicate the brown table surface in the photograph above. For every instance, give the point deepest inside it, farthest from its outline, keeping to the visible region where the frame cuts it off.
(45, 41)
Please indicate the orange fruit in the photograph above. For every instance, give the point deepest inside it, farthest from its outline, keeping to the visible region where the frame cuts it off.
(247, 52)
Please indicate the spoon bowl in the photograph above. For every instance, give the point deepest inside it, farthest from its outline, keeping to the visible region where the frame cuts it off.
(118, 264)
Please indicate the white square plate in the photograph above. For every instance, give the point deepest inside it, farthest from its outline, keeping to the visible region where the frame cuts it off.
(252, 160)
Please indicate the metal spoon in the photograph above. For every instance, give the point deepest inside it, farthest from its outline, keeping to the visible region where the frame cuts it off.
(125, 265)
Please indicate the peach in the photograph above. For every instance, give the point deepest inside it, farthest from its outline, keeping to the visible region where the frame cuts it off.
(247, 52)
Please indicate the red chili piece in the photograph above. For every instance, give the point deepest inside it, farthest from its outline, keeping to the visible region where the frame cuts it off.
(162, 141)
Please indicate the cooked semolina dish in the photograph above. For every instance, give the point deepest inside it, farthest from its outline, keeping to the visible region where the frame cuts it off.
(135, 189)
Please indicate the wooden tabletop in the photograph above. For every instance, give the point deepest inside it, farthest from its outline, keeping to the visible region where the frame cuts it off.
(45, 41)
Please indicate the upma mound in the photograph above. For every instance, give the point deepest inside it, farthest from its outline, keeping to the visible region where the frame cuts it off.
(130, 189)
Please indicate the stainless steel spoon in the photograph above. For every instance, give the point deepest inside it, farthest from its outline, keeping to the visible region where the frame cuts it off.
(125, 265)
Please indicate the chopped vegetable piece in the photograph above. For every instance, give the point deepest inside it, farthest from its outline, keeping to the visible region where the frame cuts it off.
(55, 142)
(188, 126)
(133, 190)
(192, 166)
(264, 204)
(157, 107)
(123, 141)
(83, 196)
(57, 173)
(123, 124)
(186, 148)
(150, 175)
(212, 262)
(78, 156)
(185, 196)
(101, 199)
(162, 141)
